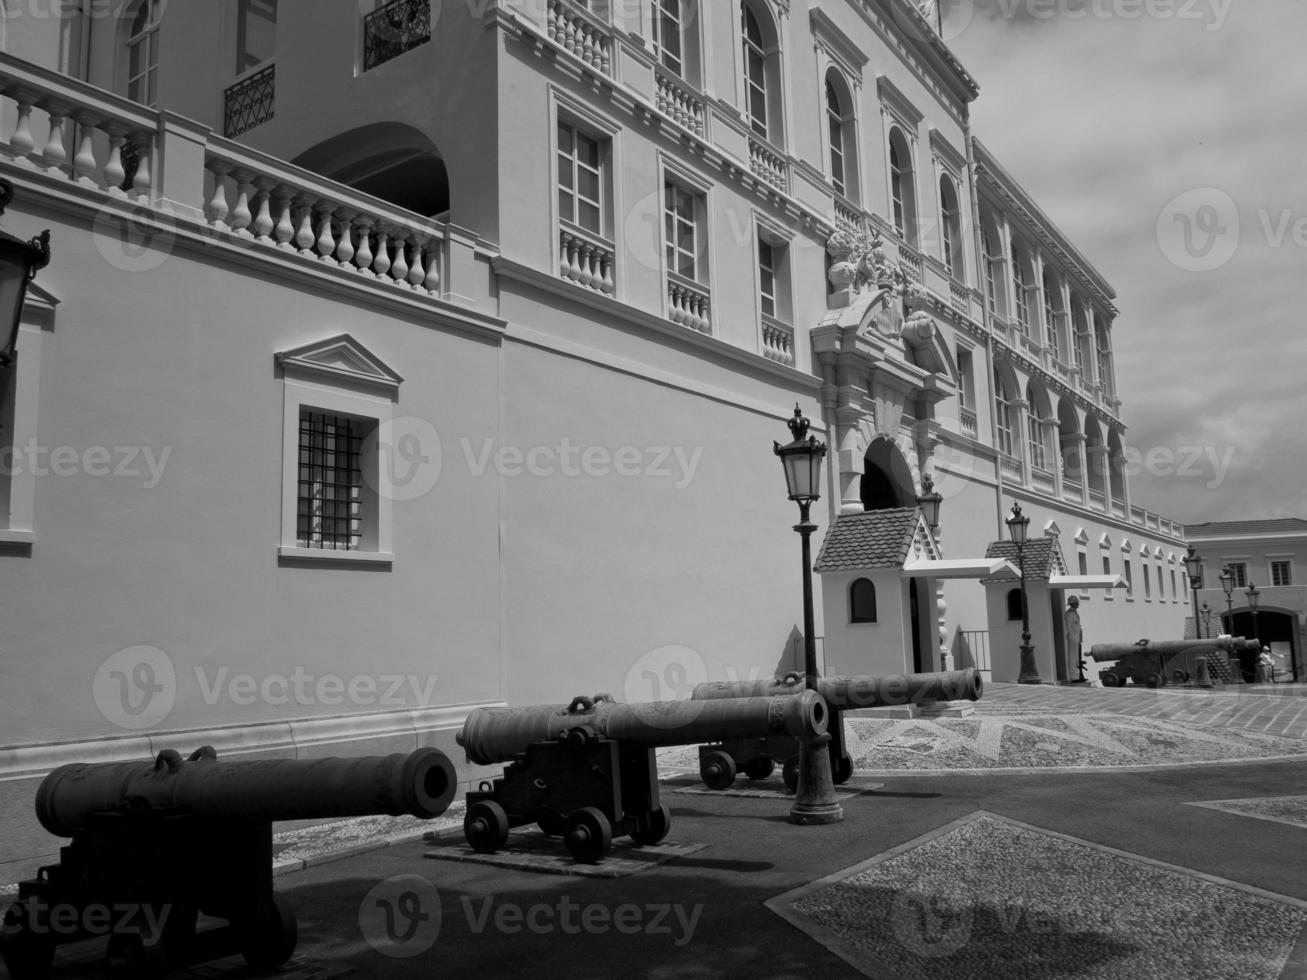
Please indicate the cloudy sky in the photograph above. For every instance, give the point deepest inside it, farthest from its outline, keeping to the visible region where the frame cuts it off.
(1168, 140)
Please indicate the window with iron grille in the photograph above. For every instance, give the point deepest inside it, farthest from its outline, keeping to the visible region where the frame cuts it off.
(580, 179)
(1281, 573)
(393, 29)
(667, 35)
(680, 211)
(330, 500)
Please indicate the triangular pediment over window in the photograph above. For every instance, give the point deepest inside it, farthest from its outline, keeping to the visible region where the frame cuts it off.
(340, 360)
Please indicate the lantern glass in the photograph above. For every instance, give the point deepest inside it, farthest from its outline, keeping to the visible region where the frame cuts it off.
(1253, 595)
(1227, 580)
(17, 261)
(1193, 564)
(803, 470)
(1018, 525)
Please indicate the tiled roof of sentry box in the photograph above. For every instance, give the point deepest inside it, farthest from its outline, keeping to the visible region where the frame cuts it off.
(1042, 557)
(876, 539)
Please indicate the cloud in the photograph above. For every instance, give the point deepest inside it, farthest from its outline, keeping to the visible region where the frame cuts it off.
(1106, 118)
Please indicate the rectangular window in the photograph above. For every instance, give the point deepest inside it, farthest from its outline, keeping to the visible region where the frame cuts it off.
(1174, 593)
(330, 500)
(1148, 584)
(767, 278)
(1082, 561)
(667, 35)
(682, 231)
(256, 33)
(1161, 585)
(1184, 584)
(1282, 573)
(580, 179)
(1239, 570)
(1005, 428)
(1129, 579)
(966, 383)
(1038, 451)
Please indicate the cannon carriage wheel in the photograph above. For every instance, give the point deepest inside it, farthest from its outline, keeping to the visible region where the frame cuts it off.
(269, 941)
(660, 823)
(589, 835)
(27, 954)
(132, 955)
(486, 826)
(717, 770)
(842, 768)
(759, 767)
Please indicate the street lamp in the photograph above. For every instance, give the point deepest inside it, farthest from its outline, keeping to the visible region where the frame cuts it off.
(19, 262)
(1253, 595)
(1227, 583)
(1193, 566)
(929, 502)
(1018, 526)
(814, 799)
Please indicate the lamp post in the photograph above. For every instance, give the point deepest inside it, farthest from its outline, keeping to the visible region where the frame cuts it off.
(1253, 595)
(1227, 584)
(1193, 566)
(19, 262)
(929, 502)
(1018, 525)
(814, 799)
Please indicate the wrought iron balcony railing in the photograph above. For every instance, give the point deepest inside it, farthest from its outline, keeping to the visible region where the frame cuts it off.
(393, 29)
(250, 101)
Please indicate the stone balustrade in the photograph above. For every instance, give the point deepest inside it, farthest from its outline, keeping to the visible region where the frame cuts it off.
(687, 304)
(777, 341)
(769, 165)
(913, 262)
(1010, 467)
(677, 102)
(848, 217)
(970, 425)
(255, 197)
(959, 297)
(586, 260)
(581, 34)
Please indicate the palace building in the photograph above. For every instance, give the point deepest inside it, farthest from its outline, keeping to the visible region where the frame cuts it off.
(397, 359)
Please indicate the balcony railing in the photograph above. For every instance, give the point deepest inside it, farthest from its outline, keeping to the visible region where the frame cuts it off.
(251, 101)
(678, 102)
(968, 419)
(586, 259)
(687, 303)
(913, 262)
(1010, 467)
(848, 217)
(393, 29)
(1042, 479)
(960, 297)
(581, 34)
(777, 341)
(769, 165)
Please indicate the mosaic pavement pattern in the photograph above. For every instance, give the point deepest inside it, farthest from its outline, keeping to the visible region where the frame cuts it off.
(770, 789)
(1280, 809)
(1097, 741)
(990, 897)
(294, 849)
(531, 850)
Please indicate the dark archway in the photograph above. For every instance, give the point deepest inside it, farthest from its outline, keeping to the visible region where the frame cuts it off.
(392, 161)
(1274, 627)
(886, 478)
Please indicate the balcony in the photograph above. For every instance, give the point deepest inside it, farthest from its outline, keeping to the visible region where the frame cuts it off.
(393, 29)
(581, 34)
(777, 341)
(913, 262)
(769, 164)
(959, 297)
(678, 101)
(1010, 467)
(848, 217)
(969, 424)
(687, 303)
(250, 102)
(586, 259)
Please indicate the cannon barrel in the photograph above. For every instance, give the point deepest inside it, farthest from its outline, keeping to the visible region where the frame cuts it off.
(493, 735)
(858, 691)
(421, 783)
(1103, 652)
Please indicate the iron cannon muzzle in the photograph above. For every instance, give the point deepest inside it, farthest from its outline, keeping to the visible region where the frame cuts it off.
(858, 691)
(492, 735)
(421, 784)
(1103, 652)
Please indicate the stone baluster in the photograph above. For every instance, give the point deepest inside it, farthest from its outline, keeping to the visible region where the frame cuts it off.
(142, 179)
(363, 257)
(399, 268)
(20, 140)
(432, 282)
(304, 237)
(608, 286)
(417, 275)
(55, 152)
(381, 264)
(215, 209)
(284, 230)
(263, 225)
(85, 166)
(326, 240)
(345, 248)
(114, 173)
(240, 214)
(587, 278)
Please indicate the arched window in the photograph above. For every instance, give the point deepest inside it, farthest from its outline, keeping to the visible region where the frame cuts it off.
(950, 217)
(1052, 306)
(1014, 605)
(1022, 286)
(143, 52)
(990, 261)
(1037, 412)
(902, 184)
(755, 72)
(843, 135)
(1006, 415)
(862, 601)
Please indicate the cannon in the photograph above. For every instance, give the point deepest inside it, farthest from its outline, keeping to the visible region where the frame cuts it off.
(155, 845)
(587, 771)
(1155, 663)
(720, 761)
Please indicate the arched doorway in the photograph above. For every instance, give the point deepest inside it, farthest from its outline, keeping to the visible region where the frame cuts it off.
(886, 478)
(389, 160)
(1275, 628)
